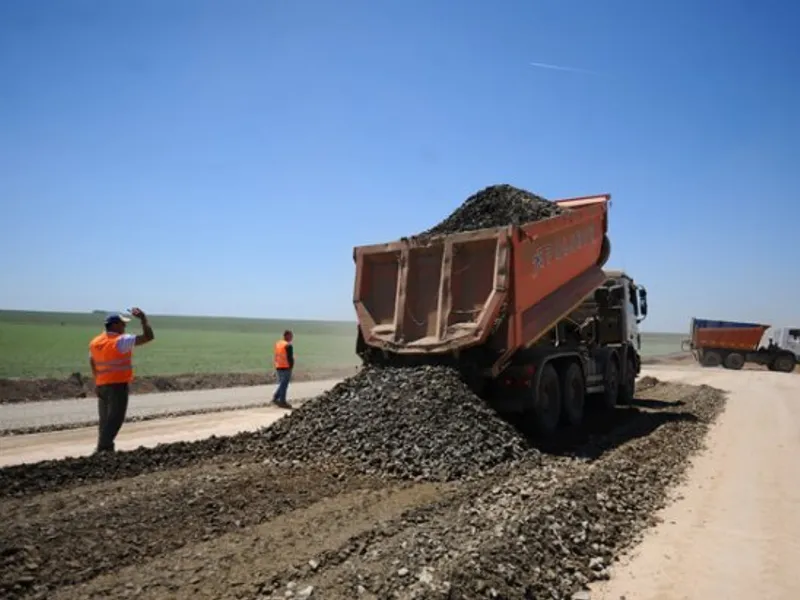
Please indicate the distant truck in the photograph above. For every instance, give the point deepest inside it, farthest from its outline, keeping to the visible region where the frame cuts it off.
(733, 344)
(525, 311)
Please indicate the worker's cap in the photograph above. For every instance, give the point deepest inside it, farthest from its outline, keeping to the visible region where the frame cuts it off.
(116, 318)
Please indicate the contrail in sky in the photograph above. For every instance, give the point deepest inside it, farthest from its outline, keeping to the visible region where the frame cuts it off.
(560, 68)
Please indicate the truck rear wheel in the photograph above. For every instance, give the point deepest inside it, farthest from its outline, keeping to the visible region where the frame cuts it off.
(627, 388)
(547, 402)
(711, 358)
(734, 361)
(611, 382)
(573, 395)
(784, 363)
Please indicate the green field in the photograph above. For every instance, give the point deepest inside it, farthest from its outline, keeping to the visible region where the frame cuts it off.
(40, 344)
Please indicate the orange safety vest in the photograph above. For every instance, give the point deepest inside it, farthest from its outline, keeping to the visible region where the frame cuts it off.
(281, 359)
(112, 366)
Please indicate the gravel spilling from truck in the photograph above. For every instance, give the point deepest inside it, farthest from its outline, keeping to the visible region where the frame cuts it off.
(419, 423)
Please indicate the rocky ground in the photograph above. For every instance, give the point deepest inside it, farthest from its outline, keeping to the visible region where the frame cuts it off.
(81, 386)
(261, 516)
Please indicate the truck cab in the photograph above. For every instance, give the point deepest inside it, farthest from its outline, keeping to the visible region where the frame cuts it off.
(632, 299)
(785, 338)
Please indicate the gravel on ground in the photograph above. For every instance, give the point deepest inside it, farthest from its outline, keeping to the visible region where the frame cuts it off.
(244, 518)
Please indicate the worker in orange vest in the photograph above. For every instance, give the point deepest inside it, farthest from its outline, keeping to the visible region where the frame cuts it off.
(110, 356)
(283, 360)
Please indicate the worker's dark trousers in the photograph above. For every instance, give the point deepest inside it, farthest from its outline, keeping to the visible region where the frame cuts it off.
(112, 404)
(284, 377)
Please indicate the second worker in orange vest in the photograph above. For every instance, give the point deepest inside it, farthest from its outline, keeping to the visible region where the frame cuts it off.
(111, 359)
(283, 361)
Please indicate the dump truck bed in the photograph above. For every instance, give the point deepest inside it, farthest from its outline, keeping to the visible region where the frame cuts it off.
(447, 293)
(728, 338)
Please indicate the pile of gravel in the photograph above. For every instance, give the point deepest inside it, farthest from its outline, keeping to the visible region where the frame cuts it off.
(496, 206)
(416, 422)
(527, 531)
(420, 423)
(574, 537)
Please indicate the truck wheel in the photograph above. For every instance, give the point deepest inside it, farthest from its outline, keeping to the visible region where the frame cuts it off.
(611, 382)
(711, 358)
(573, 395)
(547, 403)
(734, 360)
(627, 388)
(784, 363)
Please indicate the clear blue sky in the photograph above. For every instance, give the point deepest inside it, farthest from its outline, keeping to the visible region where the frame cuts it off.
(223, 158)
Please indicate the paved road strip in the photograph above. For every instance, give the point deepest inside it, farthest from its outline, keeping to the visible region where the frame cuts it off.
(84, 410)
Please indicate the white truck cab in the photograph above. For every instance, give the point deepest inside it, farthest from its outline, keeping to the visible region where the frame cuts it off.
(785, 338)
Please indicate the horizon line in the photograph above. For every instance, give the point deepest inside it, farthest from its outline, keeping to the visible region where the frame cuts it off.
(196, 316)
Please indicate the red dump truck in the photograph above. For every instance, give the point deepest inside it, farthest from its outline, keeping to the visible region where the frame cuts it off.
(525, 311)
(732, 344)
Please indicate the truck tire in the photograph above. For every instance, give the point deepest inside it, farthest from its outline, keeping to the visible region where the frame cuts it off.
(784, 363)
(627, 387)
(611, 382)
(573, 395)
(734, 361)
(711, 358)
(547, 402)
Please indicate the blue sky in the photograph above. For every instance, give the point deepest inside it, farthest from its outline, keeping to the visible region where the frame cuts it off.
(223, 158)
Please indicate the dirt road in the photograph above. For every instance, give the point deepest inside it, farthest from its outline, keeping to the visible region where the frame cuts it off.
(734, 530)
(81, 442)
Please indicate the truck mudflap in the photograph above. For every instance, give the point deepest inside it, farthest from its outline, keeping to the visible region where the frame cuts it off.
(445, 294)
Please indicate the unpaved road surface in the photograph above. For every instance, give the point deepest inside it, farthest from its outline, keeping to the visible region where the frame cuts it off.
(235, 518)
(81, 442)
(84, 410)
(734, 530)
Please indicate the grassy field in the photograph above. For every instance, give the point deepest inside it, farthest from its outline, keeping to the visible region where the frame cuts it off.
(39, 344)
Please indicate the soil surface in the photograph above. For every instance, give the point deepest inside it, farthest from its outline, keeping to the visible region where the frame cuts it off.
(254, 517)
(732, 530)
(81, 386)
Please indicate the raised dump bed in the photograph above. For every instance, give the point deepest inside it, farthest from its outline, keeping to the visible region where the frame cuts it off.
(448, 293)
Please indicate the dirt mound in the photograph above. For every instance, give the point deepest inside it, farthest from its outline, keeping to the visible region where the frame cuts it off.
(496, 206)
(419, 423)
(78, 385)
(646, 383)
(410, 423)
